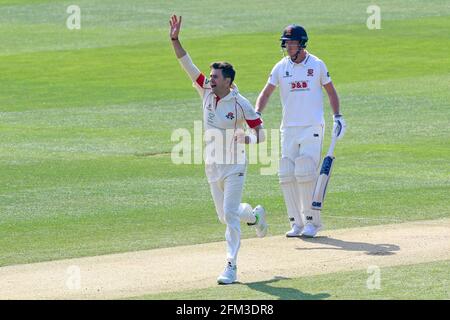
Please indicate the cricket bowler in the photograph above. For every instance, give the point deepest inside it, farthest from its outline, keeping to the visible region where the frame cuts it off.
(225, 110)
(300, 77)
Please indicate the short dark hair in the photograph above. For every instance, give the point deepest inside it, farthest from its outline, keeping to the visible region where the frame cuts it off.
(227, 69)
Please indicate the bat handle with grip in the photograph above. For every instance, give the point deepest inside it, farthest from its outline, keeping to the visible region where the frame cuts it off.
(332, 145)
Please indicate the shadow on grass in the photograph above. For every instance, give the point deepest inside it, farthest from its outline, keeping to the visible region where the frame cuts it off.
(284, 293)
(381, 249)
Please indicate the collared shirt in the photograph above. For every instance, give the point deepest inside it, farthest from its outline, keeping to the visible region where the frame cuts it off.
(224, 116)
(300, 87)
(231, 112)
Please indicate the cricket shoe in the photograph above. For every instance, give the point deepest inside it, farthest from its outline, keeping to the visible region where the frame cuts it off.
(310, 230)
(295, 232)
(261, 224)
(228, 275)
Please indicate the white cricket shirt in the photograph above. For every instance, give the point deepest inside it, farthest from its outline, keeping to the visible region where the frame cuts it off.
(224, 115)
(300, 86)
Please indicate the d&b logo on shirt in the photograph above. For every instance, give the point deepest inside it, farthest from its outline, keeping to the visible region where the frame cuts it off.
(299, 86)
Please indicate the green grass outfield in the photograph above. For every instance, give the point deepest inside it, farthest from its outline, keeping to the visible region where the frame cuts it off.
(420, 281)
(86, 118)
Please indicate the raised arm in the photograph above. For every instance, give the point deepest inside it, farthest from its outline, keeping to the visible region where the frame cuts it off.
(175, 27)
(183, 57)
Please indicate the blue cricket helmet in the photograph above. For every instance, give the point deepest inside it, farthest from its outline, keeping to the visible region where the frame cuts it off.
(294, 32)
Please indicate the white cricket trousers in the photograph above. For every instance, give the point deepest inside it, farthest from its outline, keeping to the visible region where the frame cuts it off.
(227, 195)
(304, 143)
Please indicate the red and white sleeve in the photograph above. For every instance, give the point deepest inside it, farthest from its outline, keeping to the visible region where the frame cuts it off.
(199, 81)
(251, 117)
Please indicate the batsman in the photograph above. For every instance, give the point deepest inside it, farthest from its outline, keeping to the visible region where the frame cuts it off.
(300, 77)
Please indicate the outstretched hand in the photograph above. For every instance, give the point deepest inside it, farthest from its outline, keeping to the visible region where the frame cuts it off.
(175, 26)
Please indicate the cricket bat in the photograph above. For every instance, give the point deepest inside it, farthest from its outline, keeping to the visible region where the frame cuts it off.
(322, 181)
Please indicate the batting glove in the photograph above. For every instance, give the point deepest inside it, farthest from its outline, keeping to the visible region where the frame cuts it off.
(338, 126)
